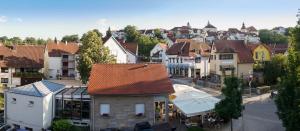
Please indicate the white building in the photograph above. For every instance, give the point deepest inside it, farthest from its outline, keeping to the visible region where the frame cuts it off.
(31, 106)
(123, 52)
(21, 64)
(158, 53)
(189, 59)
(60, 61)
(209, 28)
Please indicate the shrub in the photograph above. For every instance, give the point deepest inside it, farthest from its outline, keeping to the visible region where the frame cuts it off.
(62, 125)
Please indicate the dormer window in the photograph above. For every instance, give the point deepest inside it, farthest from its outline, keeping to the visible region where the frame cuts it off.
(30, 103)
(14, 101)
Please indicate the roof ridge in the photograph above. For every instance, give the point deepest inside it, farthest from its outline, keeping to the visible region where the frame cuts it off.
(35, 87)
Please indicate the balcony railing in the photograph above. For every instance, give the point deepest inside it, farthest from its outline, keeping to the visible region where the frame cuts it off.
(28, 75)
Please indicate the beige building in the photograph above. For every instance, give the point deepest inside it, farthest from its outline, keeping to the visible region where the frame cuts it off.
(123, 96)
(230, 57)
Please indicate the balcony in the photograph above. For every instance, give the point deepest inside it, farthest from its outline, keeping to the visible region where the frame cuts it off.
(28, 74)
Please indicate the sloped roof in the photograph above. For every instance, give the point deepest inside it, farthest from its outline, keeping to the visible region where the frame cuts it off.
(189, 48)
(57, 49)
(22, 56)
(278, 48)
(238, 46)
(209, 25)
(130, 46)
(251, 28)
(37, 89)
(129, 79)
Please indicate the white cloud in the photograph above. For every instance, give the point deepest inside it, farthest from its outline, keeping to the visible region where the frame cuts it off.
(3, 19)
(102, 22)
(19, 19)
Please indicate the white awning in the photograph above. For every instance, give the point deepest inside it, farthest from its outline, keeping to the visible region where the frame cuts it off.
(192, 102)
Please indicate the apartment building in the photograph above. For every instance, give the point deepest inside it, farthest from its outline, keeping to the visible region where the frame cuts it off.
(21, 64)
(60, 60)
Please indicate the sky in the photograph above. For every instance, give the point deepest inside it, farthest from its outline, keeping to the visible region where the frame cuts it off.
(56, 18)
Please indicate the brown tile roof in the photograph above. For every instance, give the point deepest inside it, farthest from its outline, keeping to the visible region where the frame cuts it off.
(22, 56)
(129, 79)
(189, 48)
(57, 49)
(238, 46)
(252, 47)
(278, 48)
(130, 46)
(251, 28)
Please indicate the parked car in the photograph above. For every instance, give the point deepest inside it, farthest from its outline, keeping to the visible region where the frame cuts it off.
(143, 126)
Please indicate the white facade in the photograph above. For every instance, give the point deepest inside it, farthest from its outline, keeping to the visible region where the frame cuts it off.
(162, 53)
(119, 52)
(54, 67)
(29, 108)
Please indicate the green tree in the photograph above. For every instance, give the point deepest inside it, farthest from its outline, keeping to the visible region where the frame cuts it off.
(269, 37)
(274, 69)
(108, 33)
(29, 40)
(158, 34)
(92, 51)
(231, 106)
(131, 33)
(16, 40)
(62, 125)
(146, 44)
(70, 38)
(41, 41)
(3, 39)
(288, 99)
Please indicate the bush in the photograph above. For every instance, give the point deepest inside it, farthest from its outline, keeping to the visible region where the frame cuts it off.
(62, 125)
(195, 129)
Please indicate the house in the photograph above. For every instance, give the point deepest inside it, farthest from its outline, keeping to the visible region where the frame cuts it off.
(125, 94)
(123, 52)
(60, 60)
(209, 27)
(183, 31)
(189, 59)
(158, 53)
(30, 107)
(279, 30)
(250, 29)
(278, 49)
(21, 64)
(230, 57)
(260, 52)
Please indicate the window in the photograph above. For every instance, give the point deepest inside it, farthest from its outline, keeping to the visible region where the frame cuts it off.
(180, 60)
(177, 60)
(1, 57)
(226, 56)
(263, 55)
(4, 80)
(4, 70)
(65, 56)
(104, 109)
(139, 109)
(30, 104)
(198, 60)
(14, 100)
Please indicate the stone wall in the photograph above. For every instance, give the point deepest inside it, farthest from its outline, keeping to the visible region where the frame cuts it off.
(122, 111)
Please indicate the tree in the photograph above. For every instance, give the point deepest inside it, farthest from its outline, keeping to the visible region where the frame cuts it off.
(158, 34)
(29, 40)
(62, 125)
(288, 99)
(92, 51)
(16, 40)
(231, 106)
(146, 44)
(131, 33)
(274, 69)
(70, 38)
(108, 33)
(269, 37)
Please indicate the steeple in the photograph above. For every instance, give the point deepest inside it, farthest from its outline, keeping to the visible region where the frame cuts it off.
(243, 26)
(188, 25)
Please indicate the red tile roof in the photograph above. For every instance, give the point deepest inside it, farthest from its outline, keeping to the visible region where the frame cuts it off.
(129, 79)
(22, 56)
(130, 46)
(57, 49)
(238, 46)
